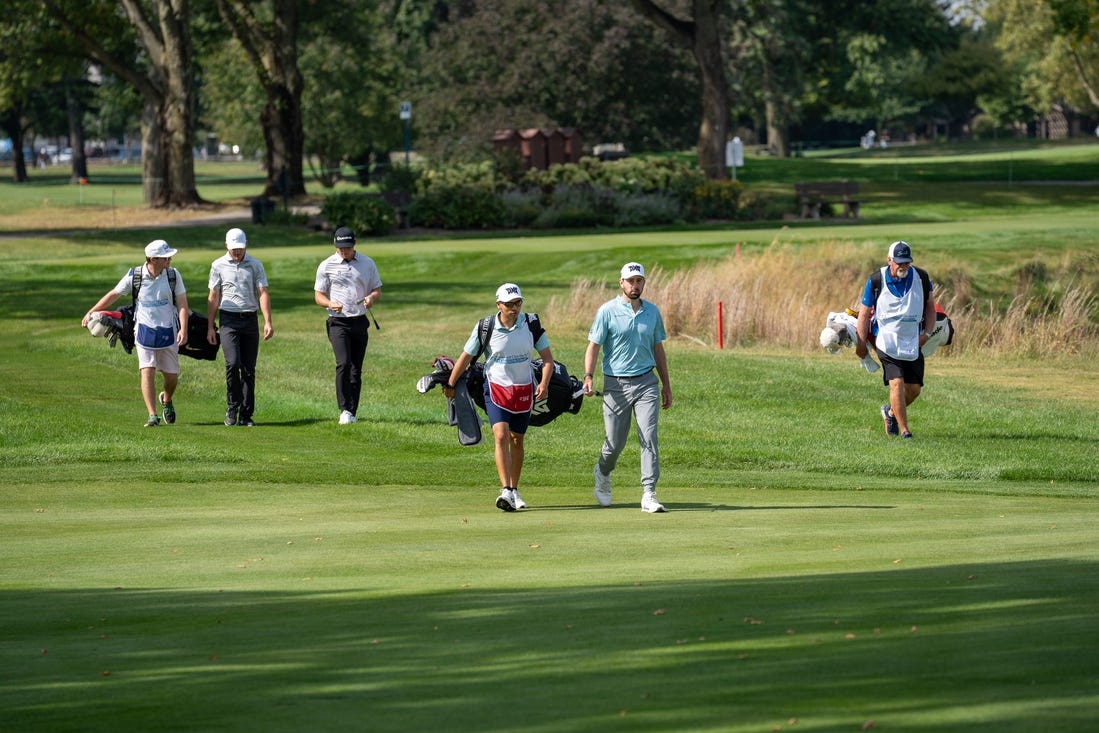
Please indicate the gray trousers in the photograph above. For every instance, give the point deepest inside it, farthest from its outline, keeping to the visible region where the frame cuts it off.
(624, 397)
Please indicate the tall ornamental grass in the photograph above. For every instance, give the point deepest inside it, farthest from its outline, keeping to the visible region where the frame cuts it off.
(779, 296)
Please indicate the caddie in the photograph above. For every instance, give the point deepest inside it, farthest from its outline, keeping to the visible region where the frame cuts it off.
(896, 317)
(160, 314)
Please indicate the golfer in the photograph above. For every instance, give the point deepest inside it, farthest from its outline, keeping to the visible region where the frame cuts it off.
(238, 289)
(510, 392)
(631, 333)
(896, 317)
(160, 316)
(347, 285)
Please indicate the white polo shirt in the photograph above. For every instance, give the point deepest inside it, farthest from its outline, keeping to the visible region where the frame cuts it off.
(347, 283)
(237, 283)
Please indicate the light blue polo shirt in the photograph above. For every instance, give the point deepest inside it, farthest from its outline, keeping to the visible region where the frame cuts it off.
(627, 338)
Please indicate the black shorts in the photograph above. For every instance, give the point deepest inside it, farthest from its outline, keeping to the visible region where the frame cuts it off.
(910, 372)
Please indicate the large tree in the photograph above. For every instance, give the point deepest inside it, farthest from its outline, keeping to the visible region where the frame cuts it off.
(822, 60)
(497, 64)
(34, 64)
(1056, 45)
(268, 33)
(162, 74)
(769, 64)
(702, 34)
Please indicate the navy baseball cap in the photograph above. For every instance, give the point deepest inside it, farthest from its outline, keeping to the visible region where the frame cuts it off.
(900, 252)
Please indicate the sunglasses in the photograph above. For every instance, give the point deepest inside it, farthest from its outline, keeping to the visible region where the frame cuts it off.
(512, 304)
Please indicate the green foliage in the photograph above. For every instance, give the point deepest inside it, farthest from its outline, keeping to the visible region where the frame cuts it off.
(483, 176)
(522, 208)
(625, 175)
(458, 207)
(402, 178)
(496, 65)
(366, 213)
(716, 200)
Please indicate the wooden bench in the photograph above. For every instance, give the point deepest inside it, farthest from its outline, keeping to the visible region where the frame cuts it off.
(813, 194)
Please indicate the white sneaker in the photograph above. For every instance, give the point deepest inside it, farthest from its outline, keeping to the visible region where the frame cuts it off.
(602, 487)
(346, 418)
(519, 503)
(650, 505)
(506, 502)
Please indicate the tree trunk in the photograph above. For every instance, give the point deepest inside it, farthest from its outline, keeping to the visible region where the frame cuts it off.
(178, 102)
(12, 124)
(712, 132)
(282, 131)
(702, 36)
(273, 50)
(777, 130)
(165, 83)
(152, 154)
(75, 111)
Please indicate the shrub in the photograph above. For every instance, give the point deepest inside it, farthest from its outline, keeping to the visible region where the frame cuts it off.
(626, 175)
(366, 213)
(646, 209)
(521, 208)
(759, 206)
(402, 178)
(578, 206)
(484, 176)
(281, 216)
(458, 207)
(716, 199)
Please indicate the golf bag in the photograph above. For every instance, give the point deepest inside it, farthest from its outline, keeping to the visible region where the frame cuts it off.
(839, 333)
(120, 329)
(566, 394)
(197, 347)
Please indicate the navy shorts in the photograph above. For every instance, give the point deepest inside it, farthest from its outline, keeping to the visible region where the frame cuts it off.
(517, 421)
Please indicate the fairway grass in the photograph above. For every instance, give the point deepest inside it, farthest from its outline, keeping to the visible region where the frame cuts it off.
(290, 607)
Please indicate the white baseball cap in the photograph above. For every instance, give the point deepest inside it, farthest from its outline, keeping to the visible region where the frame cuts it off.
(631, 269)
(507, 293)
(235, 239)
(159, 248)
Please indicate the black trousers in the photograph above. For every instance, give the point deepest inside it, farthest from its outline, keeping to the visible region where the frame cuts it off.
(349, 337)
(240, 344)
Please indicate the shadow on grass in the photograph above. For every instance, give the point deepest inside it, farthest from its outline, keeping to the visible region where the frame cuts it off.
(980, 647)
(704, 507)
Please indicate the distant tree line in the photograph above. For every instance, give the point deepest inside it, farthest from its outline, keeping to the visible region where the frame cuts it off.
(315, 86)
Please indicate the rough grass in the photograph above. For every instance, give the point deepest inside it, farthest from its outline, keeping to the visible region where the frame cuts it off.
(767, 297)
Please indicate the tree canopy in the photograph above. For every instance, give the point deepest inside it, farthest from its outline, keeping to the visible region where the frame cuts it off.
(318, 84)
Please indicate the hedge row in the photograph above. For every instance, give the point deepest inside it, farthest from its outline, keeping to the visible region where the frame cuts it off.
(629, 192)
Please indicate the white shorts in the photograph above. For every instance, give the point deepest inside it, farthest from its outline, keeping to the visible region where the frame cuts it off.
(163, 360)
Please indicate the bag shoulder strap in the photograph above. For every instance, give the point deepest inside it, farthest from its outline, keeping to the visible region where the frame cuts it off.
(925, 280)
(136, 275)
(484, 333)
(535, 326)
